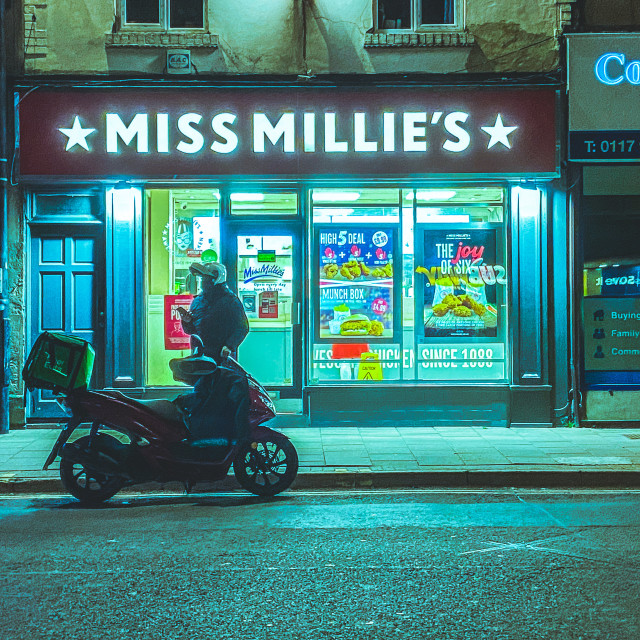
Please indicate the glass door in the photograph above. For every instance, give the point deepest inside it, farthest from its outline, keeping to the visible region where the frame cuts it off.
(269, 284)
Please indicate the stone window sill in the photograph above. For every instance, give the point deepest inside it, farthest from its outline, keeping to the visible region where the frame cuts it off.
(427, 39)
(161, 39)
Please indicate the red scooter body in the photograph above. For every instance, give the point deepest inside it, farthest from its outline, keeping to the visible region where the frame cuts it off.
(159, 449)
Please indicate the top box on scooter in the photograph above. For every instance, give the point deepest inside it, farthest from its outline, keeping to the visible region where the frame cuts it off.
(59, 362)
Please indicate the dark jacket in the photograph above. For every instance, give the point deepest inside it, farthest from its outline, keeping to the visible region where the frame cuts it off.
(218, 319)
(218, 407)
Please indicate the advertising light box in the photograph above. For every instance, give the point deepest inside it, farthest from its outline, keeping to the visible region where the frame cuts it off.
(356, 283)
(459, 277)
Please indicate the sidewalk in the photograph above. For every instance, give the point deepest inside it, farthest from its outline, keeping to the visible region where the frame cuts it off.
(403, 457)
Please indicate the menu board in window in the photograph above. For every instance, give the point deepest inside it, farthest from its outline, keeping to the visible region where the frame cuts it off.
(356, 283)
(460, 279)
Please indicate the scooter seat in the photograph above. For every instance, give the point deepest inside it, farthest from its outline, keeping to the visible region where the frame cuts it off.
(161, 407)
(164, 408)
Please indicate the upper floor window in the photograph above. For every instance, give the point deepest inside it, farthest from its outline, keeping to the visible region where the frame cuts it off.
(416, 15)
(164, 14)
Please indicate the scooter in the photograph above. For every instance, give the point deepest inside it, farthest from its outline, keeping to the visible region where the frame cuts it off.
(154, 446)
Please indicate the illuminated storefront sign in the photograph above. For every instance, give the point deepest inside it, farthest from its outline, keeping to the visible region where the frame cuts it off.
(612, 69)
(413, 126)
(287, 131)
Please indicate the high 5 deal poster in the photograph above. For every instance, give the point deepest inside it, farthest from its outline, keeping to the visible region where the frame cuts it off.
(356, 283)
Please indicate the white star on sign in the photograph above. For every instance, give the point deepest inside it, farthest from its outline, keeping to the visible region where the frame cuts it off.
(499, 133)
(76, 135)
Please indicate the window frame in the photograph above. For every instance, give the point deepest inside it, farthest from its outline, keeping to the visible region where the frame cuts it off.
(163, 22)
(416, 23)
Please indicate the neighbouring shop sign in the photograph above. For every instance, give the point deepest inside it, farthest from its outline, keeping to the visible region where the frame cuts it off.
(612, 334)
(174, 336)
(287, 131)
(604, 88)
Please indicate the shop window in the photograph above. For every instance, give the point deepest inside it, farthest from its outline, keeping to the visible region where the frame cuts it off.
(164, 14)
(460, 284)
(416, 15)
(384, 261)
(611, 304)
(356, 271)
(257, 203)
(182, 226)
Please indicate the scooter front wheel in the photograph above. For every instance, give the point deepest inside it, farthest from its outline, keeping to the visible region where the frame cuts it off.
(266, 467)
(84, 484)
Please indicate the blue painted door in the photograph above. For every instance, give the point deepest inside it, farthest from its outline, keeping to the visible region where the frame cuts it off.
(63, 298)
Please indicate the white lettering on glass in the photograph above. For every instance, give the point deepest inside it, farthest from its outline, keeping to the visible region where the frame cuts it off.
(185, 123)
(219, 125)
(138, 128)
(284, 128)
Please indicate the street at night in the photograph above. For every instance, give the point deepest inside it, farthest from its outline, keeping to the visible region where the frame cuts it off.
(503, 564)
(320, 320)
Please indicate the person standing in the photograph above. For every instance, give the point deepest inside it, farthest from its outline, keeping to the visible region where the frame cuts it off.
(216, 314)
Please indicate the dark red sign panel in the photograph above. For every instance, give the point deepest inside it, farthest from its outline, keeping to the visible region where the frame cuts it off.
(402, 132)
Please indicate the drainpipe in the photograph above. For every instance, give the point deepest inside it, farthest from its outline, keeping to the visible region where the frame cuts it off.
(5, 374)
(576, 395)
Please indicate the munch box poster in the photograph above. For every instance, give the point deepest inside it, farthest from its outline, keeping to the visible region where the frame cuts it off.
(356, 283)
(460, 277)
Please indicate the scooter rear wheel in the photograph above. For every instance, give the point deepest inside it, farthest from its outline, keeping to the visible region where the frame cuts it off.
(88, 486)
(266, 467)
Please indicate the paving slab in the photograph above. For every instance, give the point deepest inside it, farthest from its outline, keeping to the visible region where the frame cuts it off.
(399, 457)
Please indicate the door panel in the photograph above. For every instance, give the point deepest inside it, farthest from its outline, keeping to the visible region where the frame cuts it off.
(265, 287)
(52, 250)
(269, 284)
(63, 298)
(52, 308)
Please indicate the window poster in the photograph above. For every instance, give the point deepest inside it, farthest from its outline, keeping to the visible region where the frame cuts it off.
(611, 320)
(461, 280)
(356, 283)
(612, 334)
(174, 336)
